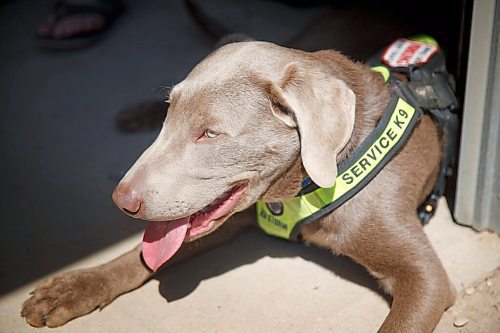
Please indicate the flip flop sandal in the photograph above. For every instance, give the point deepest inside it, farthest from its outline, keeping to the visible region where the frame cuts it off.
(108, 10)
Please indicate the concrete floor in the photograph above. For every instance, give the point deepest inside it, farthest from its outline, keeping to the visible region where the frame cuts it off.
(62, 157)
(256, 283)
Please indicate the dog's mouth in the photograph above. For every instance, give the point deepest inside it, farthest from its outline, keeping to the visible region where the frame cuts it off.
(162, 239)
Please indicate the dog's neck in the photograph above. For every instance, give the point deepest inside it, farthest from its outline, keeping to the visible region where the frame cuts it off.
(288, 184)
(372, 97)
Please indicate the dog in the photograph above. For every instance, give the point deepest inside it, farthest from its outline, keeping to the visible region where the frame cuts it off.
(249, 123)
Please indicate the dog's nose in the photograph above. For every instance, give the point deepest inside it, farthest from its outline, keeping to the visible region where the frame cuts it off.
(128, 200)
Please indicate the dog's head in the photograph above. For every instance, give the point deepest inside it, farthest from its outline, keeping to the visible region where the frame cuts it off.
(240, 120)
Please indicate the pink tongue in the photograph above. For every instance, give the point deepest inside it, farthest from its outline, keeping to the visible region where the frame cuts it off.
(161, 241)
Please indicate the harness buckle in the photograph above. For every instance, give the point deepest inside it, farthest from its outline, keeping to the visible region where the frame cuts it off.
(428, 208)
(432, 90)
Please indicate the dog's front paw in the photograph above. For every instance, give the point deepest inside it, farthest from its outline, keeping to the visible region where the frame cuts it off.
(64, 297)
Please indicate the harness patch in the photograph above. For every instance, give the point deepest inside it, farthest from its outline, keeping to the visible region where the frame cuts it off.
(405, 52)
(393, 132)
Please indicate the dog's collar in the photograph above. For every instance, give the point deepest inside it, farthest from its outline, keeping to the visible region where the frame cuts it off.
(283, 219)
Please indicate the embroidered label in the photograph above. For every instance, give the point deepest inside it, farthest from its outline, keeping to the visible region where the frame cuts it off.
(404, 52)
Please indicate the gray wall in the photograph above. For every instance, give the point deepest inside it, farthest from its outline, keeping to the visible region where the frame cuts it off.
(478, 188)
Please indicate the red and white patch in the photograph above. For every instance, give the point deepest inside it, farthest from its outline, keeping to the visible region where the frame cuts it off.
(405, 52)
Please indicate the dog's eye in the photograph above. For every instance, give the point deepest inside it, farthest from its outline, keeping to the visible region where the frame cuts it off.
(207, 135)
(210, 134)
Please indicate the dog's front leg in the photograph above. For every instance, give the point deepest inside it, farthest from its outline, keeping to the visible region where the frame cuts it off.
(73, 294)
(63, 297)
(401, 256)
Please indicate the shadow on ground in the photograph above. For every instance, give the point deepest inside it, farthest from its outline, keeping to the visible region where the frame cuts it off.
(250, 246)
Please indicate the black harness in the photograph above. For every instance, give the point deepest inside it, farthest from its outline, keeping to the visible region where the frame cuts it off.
(429, 87)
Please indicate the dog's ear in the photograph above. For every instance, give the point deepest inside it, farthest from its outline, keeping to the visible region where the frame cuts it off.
(322, 108)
